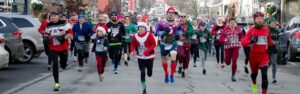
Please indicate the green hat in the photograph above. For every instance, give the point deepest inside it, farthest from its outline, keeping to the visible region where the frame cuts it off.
(269, 20)
(194, 19)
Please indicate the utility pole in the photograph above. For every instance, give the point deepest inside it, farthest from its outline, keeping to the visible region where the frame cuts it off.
(25, 12)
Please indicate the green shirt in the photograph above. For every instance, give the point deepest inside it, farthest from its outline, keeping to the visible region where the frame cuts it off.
(130, 29)
(189, 31)
(274, 35)
(204, 39)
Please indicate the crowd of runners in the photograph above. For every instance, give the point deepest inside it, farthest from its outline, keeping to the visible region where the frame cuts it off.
(179, 38)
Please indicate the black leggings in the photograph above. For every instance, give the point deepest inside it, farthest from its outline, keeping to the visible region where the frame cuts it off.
(115, 54)
(218, 48)
(46, 47)
(247, 51)
(81, 56)
(143, 64)
(195, 51)
(73, 47)
(63, 55)
(264, 76)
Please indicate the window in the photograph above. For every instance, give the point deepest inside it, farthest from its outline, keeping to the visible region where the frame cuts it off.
(1, 24)
(21, 22)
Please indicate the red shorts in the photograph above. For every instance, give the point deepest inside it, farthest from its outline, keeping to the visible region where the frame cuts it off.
(258, 60)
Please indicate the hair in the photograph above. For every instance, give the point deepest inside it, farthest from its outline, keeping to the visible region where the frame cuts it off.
(43, 16)
(127, 17)
(231, 19)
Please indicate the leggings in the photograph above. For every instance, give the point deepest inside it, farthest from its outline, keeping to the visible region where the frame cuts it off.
(264, 75)
(231, 55)
(83, 53)
(203, 57)
(273, 61)
(47, 51)
(219, 48)
(101, 62)
(143, 65)
(73, 47)
(115, 55)
(247, 51)
(63, 55)
(183, 56)
(195, 51)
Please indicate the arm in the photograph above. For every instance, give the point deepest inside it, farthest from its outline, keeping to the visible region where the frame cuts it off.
(90, 30)
(42, 27)
(213, 30)
(94, 47)
(152, 43)
(190, 30)
(132, 44)
(133, 28)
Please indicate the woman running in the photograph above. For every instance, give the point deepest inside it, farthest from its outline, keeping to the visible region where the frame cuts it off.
(130, 30)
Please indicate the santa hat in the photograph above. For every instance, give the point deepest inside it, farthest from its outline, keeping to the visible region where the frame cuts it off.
(258, 14)
(220, 18)
(171, 8)
(144, 18)
(101, 29)
(143, 24)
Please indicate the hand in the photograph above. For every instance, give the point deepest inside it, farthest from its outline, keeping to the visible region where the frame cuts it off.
(254, 39)
(105, 48)
(68, 36)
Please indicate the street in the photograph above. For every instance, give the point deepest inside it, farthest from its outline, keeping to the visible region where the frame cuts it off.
(33, 78)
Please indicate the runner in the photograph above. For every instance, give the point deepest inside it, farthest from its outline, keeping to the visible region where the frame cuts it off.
(273, 53)
(167, 30)
(195, 42)
(101, 24)
(130, 30)
(115, 38)
(216, 32)
(145, 43)
(73, 19)
(42, 30)
(82, 36)
(247, 49)
(184, 44)
(100, 48)
(59, 32)
(204, 40)
(259, 37)
(231, 37)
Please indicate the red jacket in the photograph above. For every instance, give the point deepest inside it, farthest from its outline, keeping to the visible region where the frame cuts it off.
(214, 32)
(149, 45)
(264, 33)
(231, 37)
(42, 27)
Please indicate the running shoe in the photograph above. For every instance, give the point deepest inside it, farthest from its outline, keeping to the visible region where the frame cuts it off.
(233, 79)
(56, 87)
(204, 71)
(222, 65)
(172, 80)
(254, 88)
(49, 68)
(144, 91)
(246, 69)
(126, 63)
(195, 65)
(183, 74)
(101, 78)
(274, 81)
(79, 69)
(115, 71)
(166, 79)
(180, 70)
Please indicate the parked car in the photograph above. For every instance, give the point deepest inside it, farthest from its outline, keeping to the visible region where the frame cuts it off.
(4, 55)
(12, 39)
(32, 39)
(291, 39)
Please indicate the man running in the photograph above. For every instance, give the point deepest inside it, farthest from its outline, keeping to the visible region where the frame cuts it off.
(184, 43)
(82, 36)
(115, 38)
(167, 30)
(204, 39)
(59, 32)
(259, 37)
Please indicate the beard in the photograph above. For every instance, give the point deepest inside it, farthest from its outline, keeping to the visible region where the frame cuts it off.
(258, 25)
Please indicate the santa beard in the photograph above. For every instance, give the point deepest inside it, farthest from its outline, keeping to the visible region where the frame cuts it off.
(258, 25)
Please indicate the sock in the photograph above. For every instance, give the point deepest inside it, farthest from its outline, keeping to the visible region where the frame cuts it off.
(165, 66)
(143, 84)
(173, 67)
(264, 91)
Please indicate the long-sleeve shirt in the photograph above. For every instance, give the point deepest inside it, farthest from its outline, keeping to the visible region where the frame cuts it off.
(231, 37)
(145, 43)
(216, 32)
(99, 44)
(43, 25)
(115, 33)
(130, 30)
(204, 39)
(84, 33)
(186, 33)
(167, 32)
(263, 37)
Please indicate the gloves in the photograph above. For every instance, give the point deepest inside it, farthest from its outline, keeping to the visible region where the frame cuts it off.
(253, 39)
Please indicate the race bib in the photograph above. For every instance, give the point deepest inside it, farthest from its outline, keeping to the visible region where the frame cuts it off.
(180, 43)
(55, 41)
(141, 50)
(234, 40)
(115, 31)
(81, 38)
(168, 46)
(202, 39)
(194, 37)
(262, 40)
(99, 47)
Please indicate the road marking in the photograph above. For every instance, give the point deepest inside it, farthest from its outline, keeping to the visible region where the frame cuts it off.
(294, 64)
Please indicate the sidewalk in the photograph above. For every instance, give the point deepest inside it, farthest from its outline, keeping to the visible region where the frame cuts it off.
(217, 81)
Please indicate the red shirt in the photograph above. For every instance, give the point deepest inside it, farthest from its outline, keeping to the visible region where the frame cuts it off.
(263, 42)
(42, 28)
(149, 44)
(231, 37)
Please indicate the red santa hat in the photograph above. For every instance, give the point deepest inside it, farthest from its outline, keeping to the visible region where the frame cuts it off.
(143, 24)
(171, 8)
(258, 14)
(101, 29)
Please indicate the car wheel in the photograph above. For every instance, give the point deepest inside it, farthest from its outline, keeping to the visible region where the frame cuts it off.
(291, 56)
(28, 53)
